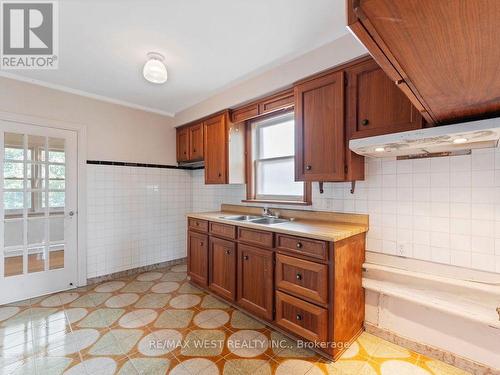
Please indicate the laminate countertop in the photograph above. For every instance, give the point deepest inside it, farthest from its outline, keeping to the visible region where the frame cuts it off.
(325, 230)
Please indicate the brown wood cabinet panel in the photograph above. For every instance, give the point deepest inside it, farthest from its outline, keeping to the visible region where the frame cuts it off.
(376, 105)
(448, 62)
(197, 253)
(182, 145)
(255, 280)
(319, 129)
(222, 265)
(301, 318)
(198, 225)
(216, 150)
(245, 113)
(255, 237)
(196, 142)
(276, 102)
(223, 230)
(302, 278)
(303, 246)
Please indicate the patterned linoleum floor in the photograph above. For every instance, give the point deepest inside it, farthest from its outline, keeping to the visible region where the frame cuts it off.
(157, 323)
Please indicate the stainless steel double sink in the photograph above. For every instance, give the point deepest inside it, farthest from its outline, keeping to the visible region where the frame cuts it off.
(256, 219)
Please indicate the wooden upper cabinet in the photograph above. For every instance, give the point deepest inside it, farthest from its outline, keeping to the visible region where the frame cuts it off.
(216, 150)
(264, 106)
(182, 145)
(196, 142)
(319, 128)
(376, 105)
(443, 54)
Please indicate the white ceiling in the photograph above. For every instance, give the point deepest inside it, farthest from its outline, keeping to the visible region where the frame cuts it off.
(208, 44)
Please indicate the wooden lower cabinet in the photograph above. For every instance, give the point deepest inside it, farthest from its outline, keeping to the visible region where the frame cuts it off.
(301, 318)
(307, 287)
(222, 265)
(197, 253)
(255, 280)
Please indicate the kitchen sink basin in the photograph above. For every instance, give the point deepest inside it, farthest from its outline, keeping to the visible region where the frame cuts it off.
(270, 220)
(241, 217)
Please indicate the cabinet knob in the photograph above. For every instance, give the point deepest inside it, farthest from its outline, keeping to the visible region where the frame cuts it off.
(194, 150)
(245, 257)
(201, 243)
(298, 317)
(228, 252)
(299, 245)
(365, 122)
(220, 174)
(185, 152)
(299, 276)
(308, 167)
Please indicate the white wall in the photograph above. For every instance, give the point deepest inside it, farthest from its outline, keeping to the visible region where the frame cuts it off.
(337, 52)
(136, 217)
(114, 132)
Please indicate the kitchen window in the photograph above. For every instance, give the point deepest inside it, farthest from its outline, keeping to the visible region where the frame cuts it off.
(272, 162)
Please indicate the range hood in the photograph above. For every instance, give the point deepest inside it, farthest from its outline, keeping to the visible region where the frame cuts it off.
(436, 141)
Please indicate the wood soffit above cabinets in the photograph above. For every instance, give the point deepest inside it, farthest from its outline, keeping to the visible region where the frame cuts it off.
(280, 101)
(445, 63)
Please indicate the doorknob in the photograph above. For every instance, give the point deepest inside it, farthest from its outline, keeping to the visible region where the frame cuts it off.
(71, 213)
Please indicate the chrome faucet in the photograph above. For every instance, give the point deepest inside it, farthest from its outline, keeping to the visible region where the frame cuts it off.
(266, 211)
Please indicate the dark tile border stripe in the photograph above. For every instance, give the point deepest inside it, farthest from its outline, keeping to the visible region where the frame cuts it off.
(143, 165)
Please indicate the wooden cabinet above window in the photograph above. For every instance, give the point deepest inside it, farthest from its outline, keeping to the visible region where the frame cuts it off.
(269, 104)
(443, 55)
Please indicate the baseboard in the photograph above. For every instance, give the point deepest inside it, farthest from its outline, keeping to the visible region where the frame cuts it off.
(431, 351)
(134, 271)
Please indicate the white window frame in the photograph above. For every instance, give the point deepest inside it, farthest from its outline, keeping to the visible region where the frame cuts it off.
(258, 160)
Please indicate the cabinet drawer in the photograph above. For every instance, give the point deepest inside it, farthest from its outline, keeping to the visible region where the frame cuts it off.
(301, 318)
(255, 237)
(197, 224)
(302, 278)
(304, 246)
(223, 230)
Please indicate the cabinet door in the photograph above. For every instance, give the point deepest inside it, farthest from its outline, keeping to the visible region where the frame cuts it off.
(255, 280)
(222, 279)
(182, 145)
(319, 129)
(196, 142)
(215, 144)
(376, 105)
(198, 257)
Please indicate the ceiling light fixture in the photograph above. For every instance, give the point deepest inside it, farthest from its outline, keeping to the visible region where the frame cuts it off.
(458, 141)
(155, 70)
(380, 149)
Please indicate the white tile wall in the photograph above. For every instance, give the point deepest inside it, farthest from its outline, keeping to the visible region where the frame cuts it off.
(136, 217)
(444, 210)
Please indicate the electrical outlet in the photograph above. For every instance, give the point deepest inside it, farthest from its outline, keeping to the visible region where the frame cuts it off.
(402, 249)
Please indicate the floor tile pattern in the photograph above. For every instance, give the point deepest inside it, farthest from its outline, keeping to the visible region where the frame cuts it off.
(158, 323)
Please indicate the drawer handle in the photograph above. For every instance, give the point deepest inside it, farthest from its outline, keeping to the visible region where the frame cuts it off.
(299, 245)
(228, 252)
(245, 257)
(308, 167)
(197, 224)
(299, 276)
(365, 122)
(298, 317)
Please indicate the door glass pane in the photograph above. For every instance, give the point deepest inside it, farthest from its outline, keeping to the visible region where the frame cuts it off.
(13, 263)
(36, 231)
(13, 232)
(13, 200)
(56, 257)
(13, 170)
(56, 199)
(36, 176)
(56, 230)
(36, 199)
(36, 259)
(14, 144)
(36, 146)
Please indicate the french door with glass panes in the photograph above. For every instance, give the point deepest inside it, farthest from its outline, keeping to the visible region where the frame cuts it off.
(38, 206)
